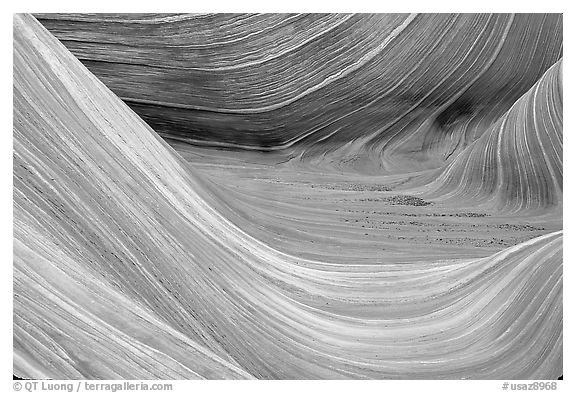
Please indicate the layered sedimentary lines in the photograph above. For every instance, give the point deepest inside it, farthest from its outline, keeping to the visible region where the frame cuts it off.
(314, 83)
(518, 161)
(389, 204)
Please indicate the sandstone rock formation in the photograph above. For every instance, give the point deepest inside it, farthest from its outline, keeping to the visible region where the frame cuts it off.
(388, 205)
(371, 90)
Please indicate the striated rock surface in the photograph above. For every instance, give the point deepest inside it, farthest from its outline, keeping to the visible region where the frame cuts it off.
(375, 91)
(517, 163)
(138, 259)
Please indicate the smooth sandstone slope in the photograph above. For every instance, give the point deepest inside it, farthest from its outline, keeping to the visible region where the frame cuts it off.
(501, 190)
(75, 176)
(123, 270)
(367, 92)
(516, 166)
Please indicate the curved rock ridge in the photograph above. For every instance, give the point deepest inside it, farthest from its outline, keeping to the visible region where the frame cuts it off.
(377, 92)
(124, 267)
(517, 164)
(75, 152)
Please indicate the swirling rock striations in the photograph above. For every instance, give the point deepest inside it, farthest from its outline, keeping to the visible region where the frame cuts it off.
(127, 263)
(395, 92)
(517, 164)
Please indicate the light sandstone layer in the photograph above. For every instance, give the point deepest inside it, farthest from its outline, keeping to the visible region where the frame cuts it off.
(138, 259)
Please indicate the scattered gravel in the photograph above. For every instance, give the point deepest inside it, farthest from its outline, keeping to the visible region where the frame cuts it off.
(407, 200)
(352, 187)
(469, 215)
(513, 227)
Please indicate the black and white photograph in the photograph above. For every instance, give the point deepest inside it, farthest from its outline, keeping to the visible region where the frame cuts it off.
(286, 196)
